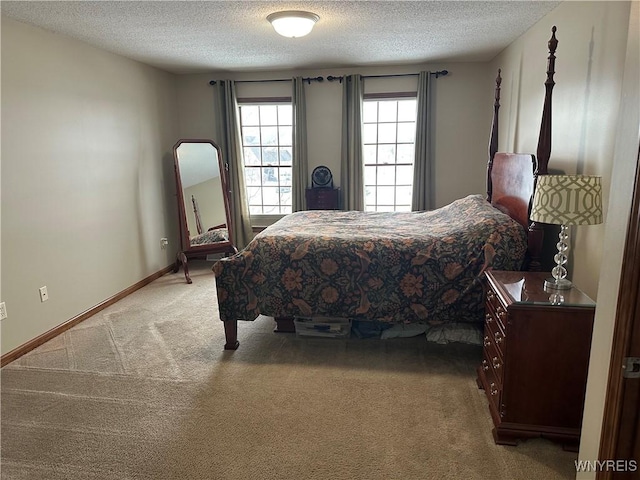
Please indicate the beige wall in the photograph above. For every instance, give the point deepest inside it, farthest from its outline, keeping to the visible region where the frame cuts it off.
(593, 133)
(87, 177)
(462, 106)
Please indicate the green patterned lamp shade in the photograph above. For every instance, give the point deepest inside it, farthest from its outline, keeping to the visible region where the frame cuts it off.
(566, 200)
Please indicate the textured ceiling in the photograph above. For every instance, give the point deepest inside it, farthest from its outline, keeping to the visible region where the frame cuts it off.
(234, 36)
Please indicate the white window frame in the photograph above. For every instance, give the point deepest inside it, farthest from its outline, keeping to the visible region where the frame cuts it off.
(369, 146)
(264, 219)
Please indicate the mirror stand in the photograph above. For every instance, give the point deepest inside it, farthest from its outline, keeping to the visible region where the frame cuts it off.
(201, 184)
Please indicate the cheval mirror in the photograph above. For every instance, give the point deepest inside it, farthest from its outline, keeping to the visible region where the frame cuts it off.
(203, 202)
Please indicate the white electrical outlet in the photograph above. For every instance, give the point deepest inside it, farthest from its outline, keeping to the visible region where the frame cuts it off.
(163, 243)
(3, 311)
(44, 296)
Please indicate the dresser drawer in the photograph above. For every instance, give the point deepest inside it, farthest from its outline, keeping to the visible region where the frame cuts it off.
(493, 359)
(494, 330)
(498, 311)
(493, 386)
(322, 198)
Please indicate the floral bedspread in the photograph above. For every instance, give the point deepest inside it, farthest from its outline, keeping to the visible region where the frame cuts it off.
(393, 267)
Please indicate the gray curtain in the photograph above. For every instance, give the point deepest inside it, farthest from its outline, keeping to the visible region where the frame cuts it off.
(423, 184)
(230, 141)
(300, 172)
(352, 169)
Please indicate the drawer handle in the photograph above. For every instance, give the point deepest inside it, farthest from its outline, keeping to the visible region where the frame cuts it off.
(490, 295)
(488, 318)
(485, 365)
(487, 342)
(496, 363)
(498, 337)
(493, 390)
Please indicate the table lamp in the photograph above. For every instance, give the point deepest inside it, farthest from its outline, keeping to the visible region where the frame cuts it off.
(566, 200)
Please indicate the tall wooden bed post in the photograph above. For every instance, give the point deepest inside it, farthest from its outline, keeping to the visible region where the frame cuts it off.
(493, 137)
(495, 169)
(543, 153)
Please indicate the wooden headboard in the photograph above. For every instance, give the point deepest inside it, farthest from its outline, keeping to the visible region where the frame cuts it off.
(511, 177)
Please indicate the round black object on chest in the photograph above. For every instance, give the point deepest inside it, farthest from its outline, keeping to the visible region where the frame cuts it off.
(321, 177)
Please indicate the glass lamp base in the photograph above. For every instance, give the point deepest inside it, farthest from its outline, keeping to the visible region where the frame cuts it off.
(557, 284)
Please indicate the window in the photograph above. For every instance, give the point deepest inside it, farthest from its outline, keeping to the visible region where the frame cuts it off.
(389, 130)
(267, 138)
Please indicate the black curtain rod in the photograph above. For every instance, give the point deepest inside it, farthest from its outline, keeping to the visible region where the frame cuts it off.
(308, 80)
(332, 78)
(439, 73)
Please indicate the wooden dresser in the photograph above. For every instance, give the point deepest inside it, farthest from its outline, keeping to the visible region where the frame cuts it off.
(535, 358)
(323, 198)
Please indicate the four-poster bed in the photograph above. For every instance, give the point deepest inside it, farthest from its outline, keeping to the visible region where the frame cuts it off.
(398, 267)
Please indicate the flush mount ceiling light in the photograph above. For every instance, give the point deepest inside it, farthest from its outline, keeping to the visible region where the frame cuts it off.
(293, 23)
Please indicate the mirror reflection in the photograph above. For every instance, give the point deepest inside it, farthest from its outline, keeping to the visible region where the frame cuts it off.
(202, 193)
(203, 202)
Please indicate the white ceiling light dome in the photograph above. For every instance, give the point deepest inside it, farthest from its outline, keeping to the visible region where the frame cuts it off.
(293, 23)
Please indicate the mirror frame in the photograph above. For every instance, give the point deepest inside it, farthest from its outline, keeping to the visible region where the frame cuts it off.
(187, 250)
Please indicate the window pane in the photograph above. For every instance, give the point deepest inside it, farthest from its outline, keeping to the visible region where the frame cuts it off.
(406, 153)
(403, 208)
(387, 133)
(286, 135)
(285, 196)
(269, 155)
(286, 156)
(370, 112)
(386, 196)
(250, 136)
(250, 115)
(386, 153)
(268, 114)
(255, 209)
(269, 135)
(286, 209)
(407, 132)
(403, 195)
(370, 196)
(271, 209)
(270, 196)
(404, 175)
(252, 175)
(254, 195)
(386, 175)
(269, 176)
(407, 110)
(369, 133)
(369, 153)
(252, 156)
(370, 175)
(388, 111)
(285, 177)
(285, 115)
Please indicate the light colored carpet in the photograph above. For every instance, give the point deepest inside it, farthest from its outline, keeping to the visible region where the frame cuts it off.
(144, 390)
